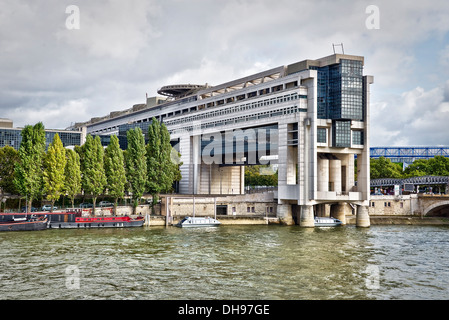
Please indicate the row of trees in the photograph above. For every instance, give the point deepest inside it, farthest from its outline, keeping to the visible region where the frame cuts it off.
(384, 168)
(33, 173)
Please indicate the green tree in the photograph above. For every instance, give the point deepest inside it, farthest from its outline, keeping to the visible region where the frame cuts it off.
(114, 166)
(417, 169)
(384, 168)
(8, 159)
(53, 174)
(438, 166)
(136, 165)
(162, 160)
(260, 175)
(28, 170)
(72, 183)
(93, 177)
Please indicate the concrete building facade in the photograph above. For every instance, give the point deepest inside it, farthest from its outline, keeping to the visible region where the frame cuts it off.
(308, 118)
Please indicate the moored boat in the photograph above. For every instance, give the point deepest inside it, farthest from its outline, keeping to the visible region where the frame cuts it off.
(71, 219)
(74, 220)
(327, 222)
(190, 222)
(24, 224)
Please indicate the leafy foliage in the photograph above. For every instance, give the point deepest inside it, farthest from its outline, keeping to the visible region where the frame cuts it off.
(93, 178)
(384, 168)
(8, 159)
(162, 164)
(54, 166)
(260, 175)
(114, 165)
(28, 170)
(72, 183)
(136, 164)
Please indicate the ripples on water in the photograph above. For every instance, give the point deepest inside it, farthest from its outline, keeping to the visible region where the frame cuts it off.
(229, 262)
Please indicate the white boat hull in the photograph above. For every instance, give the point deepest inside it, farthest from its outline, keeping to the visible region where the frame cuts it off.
(195, 222)
(327, 222)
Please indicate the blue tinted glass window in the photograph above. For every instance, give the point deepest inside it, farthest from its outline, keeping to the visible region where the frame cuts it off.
(321, 135)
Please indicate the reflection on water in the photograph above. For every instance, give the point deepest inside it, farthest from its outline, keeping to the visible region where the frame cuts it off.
(228, 262)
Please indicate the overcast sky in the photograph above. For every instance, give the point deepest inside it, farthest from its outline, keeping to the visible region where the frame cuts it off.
(123, 50)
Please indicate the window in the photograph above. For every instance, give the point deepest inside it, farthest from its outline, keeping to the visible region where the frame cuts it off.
(321, 135)
(342, 133)
(340, 90)
(357, 137)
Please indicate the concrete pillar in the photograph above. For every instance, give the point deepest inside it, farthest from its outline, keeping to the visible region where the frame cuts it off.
(196, 160)
(340, 210)
(307, 219)
(323, 174)
(362, 217)
(335, 175)
(284, 213)
(242, 179)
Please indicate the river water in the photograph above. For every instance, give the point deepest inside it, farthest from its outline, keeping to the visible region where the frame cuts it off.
(228, 262)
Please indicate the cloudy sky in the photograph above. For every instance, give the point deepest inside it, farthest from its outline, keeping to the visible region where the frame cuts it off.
(59, 75)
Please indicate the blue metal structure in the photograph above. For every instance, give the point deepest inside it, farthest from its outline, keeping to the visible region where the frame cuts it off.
(425, 180)
(408, 154)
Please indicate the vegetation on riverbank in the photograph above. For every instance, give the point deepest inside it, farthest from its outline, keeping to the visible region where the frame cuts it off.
(34, 173)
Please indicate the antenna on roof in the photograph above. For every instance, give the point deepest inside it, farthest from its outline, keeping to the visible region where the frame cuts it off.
(338, 45)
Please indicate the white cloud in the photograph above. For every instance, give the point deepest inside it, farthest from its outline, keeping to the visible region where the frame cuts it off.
(112, 29)
(417, 117)
(49, 114)
(125, 49)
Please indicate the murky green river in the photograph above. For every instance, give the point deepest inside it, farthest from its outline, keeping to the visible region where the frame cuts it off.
(229, 262)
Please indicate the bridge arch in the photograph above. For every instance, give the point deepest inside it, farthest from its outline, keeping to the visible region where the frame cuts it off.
(437, 209)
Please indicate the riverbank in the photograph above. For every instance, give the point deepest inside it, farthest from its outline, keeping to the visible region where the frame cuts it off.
(158, 220)
(402, 220)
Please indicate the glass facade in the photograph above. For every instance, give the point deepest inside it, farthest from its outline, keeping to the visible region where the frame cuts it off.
(321, 135)
(122, 129)
(342, 133)
(67, 138)
(10, 137)
(13, 138)
(351, 90)
(357, 137)
(340, 90)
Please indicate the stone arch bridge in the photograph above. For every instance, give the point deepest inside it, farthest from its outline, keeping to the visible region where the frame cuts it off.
(426, 204)
(433, 205)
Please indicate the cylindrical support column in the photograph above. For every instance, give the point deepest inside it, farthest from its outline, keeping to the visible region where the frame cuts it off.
(340, 210)
(284, 213)
(323, 174)
(307, 219)
(362, 217)
(335, 175)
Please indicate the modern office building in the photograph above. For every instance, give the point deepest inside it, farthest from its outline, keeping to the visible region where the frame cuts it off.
(10, 136)
(310, 118)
